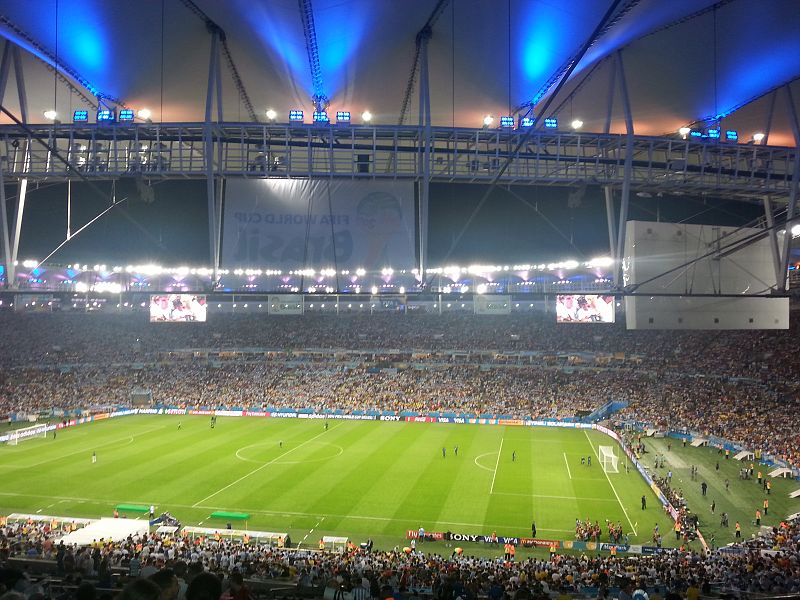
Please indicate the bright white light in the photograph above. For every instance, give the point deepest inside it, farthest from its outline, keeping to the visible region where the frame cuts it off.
(757, 137)
(684, 131)
(271, 114)
(366, 116)
(602, 261)
(81, 287)
(488, 120)
(29, 264)
(577, 124)
(374, 290)
(144, 114)
(50, 115)
(795, 231)
(481, 288)
(402, 290)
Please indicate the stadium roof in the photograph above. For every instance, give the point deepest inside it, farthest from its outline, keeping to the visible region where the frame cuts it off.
(684, 60)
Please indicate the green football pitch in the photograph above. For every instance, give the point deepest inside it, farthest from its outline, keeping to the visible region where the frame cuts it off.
(353, 479)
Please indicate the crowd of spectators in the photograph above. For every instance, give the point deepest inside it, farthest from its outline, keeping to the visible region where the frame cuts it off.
(769, 563)
(737, 385)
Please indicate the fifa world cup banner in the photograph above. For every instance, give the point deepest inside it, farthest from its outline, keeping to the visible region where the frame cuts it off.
(292, 224)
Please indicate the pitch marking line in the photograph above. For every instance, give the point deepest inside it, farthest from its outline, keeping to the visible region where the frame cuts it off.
(257, 469)
(287, 514)
(552, 497)
(479, 465)
(613, 489)
(567, 463)
(496, 465)
(127, 439)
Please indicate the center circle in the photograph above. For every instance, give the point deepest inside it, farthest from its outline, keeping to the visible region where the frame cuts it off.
(265, 452)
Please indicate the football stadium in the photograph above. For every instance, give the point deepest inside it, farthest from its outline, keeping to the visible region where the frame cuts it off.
(431, 299)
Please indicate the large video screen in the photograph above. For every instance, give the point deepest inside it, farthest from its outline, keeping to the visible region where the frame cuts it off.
(584, 308)
(177, 308)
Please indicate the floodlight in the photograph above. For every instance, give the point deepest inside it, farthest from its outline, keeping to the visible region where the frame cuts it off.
(526, 122)
(271, 114)
(295, 115)
(144, 114)
(126, 114)
(684, 131)
(106, 115)
(50, 115)
(488, 120)
(731, 135)
(757, 137)
(366, 116)
(342, 116)
(713, 133)
(79, 116)
(551, 123)
(576, 124)
(507, 122)
(695, 133)
(320, 116)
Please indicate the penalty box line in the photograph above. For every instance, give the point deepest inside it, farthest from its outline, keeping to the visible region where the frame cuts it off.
(613, 489)
(264, 466)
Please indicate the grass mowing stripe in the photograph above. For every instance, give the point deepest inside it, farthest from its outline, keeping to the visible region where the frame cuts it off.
(257, 469)
(611, 484)
(497, 464)
(553, 497)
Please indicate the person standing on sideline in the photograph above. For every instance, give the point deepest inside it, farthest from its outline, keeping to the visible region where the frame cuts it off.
(758, 518)
(644, 502)
(766, 507)
(513, 455)
(444, 452)
(152, 512)
(455, 450)
(738, 530)
(533, 529)
(94, 457)
(713, 506)
(704, 487)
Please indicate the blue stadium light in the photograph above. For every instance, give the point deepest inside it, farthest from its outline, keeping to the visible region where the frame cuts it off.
(713, 134)
(320, 116)
(80, 116)
(507, 122)
(342, 116)
(526, 122)
(295, 115)
(551, 123)
(106, 116)
(731, 135)
(695, 133)
(126, 114)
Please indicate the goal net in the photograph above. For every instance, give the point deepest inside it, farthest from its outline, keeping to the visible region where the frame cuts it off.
(27, 433)
(608, 460)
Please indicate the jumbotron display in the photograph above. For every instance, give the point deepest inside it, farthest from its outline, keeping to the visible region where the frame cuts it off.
(585, 308)
(177, 308)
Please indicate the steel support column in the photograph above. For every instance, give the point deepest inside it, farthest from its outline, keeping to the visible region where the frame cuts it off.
(21, 93)
(209, 151)
(791, 207)
(425, 138)
(612, 231)
(18, 214)
(7, 262)
(773, 240)
(611, 85)
(626, 181)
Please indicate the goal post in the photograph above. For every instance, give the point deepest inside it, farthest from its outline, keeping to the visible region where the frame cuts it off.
(26, 433)
(608, 459)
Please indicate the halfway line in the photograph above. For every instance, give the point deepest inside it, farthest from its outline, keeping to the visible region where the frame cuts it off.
(497, 464)
(256, 470)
